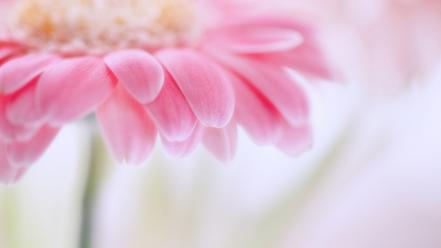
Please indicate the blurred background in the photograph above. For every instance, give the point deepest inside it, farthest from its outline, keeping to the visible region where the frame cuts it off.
(372, 179)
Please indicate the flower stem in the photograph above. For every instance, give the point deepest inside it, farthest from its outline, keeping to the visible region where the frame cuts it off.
(96, 161)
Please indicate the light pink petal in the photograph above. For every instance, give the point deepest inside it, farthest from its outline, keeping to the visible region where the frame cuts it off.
(295, 140)
(222, 142)
(256, 39)
(306, 59)
(139, 72)
(8, 172)
(71, 89)
(256, 114)
(273, 83)
(171, 112)
(5, 52)
(8, 131)
(8, 51)
(22, 108)
(280, 21)
(27, 152)
(204, 85)
(16, 73)
(128, 129)
(182, 148)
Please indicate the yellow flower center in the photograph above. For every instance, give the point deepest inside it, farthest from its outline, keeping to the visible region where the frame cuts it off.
(97, 26)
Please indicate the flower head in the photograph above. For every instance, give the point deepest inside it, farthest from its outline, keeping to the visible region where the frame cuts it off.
(189, 71)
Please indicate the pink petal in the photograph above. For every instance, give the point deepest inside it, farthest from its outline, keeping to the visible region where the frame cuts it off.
(272, 82)
(16, 73)
(71, 89)
(9, 43)
(222, 142)
(5, 52)
(8, 172)
(22, 109)
(182, 148)
(8, 131)
(306, 58)
(204, 85)
(256, 39)
(128, 129)
(280, 21)
(27, 152)
(256, 114)
(139, 72)
(8, 51)
(295, 140)
(170, 110)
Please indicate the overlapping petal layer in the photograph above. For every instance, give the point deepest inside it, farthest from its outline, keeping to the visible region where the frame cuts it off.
(233, 76)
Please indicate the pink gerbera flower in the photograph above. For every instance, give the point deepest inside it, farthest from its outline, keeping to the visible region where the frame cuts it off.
(190, 71)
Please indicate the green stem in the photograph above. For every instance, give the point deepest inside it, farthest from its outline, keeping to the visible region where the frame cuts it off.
(96, 162)
(10, 218)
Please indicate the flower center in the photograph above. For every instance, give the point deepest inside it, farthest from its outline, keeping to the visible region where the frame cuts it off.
(97, 26)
